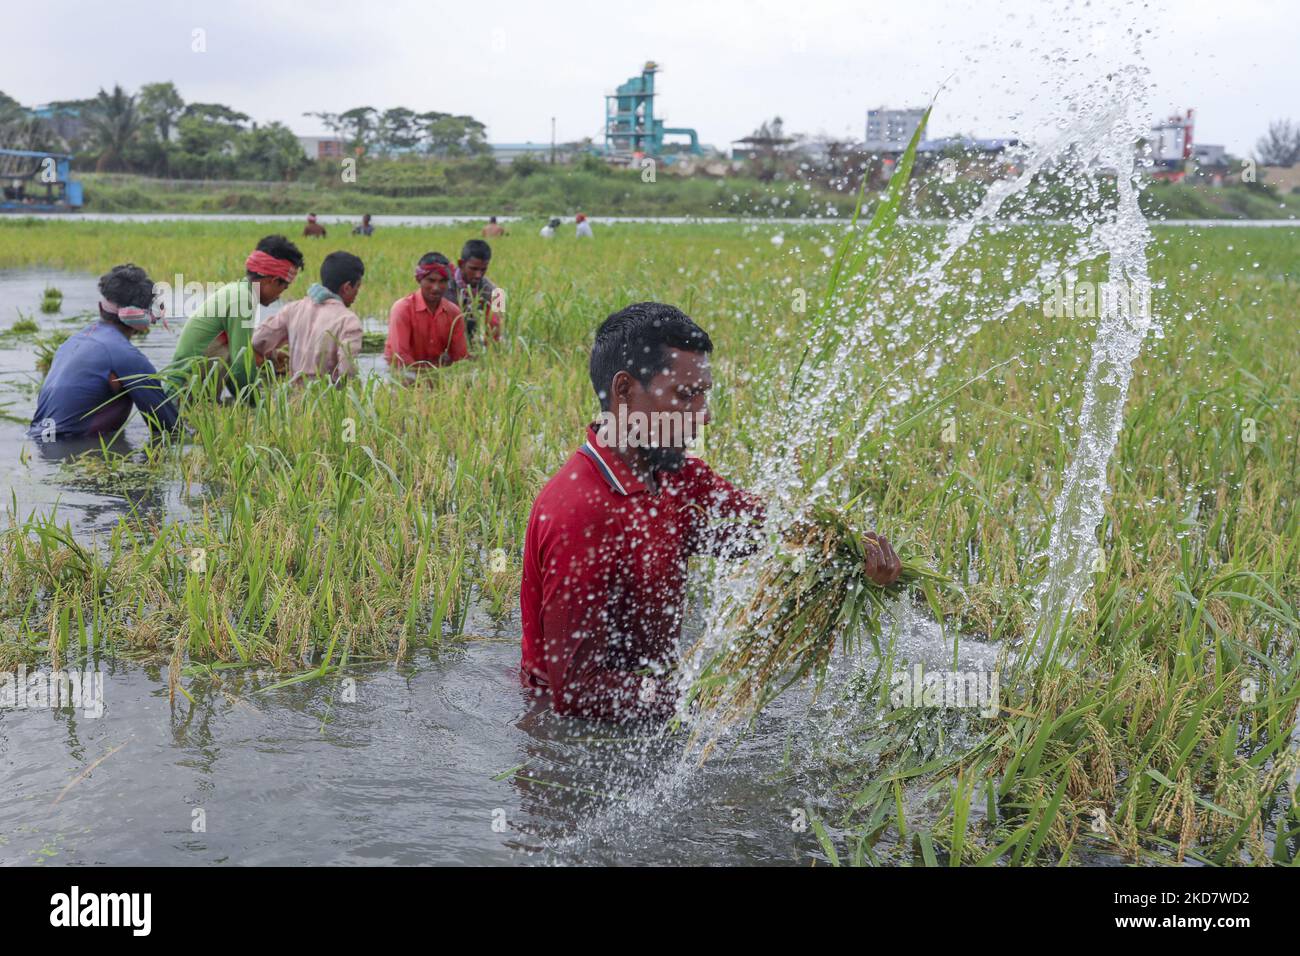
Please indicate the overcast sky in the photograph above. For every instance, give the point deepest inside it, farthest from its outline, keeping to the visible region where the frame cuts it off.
(726, 66)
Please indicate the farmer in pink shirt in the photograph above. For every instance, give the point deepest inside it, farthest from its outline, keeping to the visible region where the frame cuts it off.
(323, 334)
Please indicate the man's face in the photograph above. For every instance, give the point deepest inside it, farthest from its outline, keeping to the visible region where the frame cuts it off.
(349, 291)
(675, 402)
(269, 288)
(433, 288)
(473, 270)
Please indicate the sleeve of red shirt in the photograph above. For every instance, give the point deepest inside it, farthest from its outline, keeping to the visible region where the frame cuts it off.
(457, 345)
(576, 580)
(399, 334)
(728, 520)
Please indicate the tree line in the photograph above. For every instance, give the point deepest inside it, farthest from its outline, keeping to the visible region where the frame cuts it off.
(154, 131)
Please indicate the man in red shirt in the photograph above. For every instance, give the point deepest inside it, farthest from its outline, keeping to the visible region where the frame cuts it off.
(608, 538)
(425, 329)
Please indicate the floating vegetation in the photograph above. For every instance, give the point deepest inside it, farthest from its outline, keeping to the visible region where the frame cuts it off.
(46, 346)
(25, 325)
(52, 301)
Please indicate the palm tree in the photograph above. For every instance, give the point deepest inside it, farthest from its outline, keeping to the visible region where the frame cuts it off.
(114, 123)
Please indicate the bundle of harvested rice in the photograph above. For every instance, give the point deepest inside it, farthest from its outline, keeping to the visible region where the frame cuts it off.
(812, 596)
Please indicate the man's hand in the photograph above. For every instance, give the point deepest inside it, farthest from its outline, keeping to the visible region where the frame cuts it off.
(883, 565)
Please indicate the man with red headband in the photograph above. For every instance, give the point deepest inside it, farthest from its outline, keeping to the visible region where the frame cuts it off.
(425, 329)
(222, 329)
(97, 375)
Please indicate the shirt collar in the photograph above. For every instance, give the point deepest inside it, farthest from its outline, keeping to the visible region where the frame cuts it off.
(422, 306)
(611, 465)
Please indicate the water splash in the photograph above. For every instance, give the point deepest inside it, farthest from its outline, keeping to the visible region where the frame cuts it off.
(1096, 143)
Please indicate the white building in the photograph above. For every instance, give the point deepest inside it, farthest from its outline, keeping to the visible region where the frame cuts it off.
(889, 131)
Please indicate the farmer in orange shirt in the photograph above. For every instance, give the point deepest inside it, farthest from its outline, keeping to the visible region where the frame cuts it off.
(425, 329)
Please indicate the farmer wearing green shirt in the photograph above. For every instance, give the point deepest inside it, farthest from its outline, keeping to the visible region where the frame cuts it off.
(222, 328)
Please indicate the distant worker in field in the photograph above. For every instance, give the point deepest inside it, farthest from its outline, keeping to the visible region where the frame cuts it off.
(365, 229)
(605, 552)
(313, 228)
(548, 230)
(480, 302)
(584, 227)
(220, 332)
(493, 229)
(321, 331)
(98, 375)
(425, 329)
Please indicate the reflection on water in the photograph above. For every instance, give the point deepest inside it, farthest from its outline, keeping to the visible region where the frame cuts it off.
(445, 760)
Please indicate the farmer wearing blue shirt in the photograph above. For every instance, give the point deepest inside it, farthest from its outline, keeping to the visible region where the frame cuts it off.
(98, 375)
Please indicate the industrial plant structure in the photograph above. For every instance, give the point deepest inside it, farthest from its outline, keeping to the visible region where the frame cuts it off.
(631, 128)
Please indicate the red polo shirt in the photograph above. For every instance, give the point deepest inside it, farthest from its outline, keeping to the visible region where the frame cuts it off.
(417, 335)
(604, 579)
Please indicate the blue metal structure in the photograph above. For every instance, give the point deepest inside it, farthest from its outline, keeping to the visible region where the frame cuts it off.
(631, 128)
(38, 181)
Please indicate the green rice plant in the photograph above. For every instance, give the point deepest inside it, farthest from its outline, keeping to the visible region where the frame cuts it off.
(52, 300)
(328, 544)
(46, 346)
(817, 596)
(24, 325)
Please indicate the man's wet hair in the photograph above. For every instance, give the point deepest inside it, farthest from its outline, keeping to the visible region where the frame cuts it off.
(127, 284)
(340, 267)
(476, 249)
(437, 257)
(637, 339)
(280, 248)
